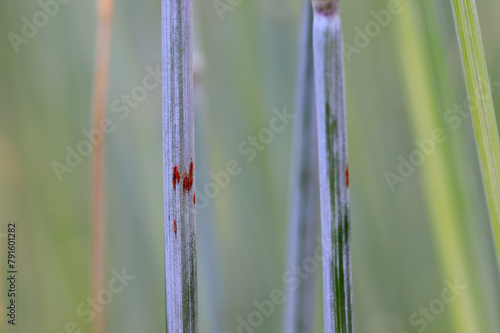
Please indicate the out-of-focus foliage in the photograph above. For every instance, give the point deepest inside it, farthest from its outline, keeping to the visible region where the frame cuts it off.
(246, 65)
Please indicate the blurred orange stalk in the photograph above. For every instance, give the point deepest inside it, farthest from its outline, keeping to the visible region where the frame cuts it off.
(101, 77)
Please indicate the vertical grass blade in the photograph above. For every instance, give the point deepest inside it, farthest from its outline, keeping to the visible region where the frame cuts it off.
(483, 113)
(333, 166)
(304, 215)
(101, 78)
(441, 196)
(178, 167)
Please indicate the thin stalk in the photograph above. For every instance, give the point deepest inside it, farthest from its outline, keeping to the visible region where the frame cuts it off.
(442, 198)
(178, 167)
(304, 217)
(333, 167)
(101, 78)
(481, 102)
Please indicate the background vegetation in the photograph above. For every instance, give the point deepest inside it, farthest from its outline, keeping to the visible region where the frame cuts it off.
(246, 66)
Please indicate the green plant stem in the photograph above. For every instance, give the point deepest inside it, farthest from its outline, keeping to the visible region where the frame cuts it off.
(304, 214)
(178, 167)
(481, 102)
(333, 167)
(438, 182)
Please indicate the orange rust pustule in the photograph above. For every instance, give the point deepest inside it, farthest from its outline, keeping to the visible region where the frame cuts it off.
(175, 227)
(194, 199)
(347, 176)
(188, 179)
(176, 177)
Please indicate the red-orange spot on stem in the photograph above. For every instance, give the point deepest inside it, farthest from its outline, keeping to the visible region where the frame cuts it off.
(188, 179)
(194, 199)
(175, 227)
(347, 176)
(176, 177)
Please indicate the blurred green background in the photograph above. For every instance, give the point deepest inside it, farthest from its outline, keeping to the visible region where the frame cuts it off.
(245, 62)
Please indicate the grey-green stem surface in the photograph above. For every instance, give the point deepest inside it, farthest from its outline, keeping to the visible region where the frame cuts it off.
(178, 152)
(333, 167)
(304, 210)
